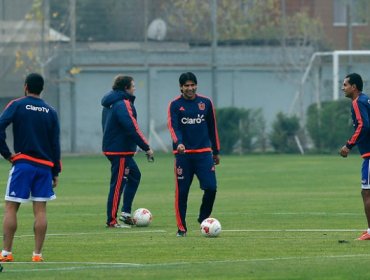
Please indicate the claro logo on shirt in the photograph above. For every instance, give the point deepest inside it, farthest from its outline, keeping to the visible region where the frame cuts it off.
(38, 109)
(197, 120)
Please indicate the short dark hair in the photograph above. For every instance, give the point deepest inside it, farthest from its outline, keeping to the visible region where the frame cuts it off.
(122, 82)
(34, 83)
(188, 76)
(355, 79)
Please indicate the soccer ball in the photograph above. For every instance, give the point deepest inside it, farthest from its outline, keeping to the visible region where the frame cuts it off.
(142, 217)
(210, 227)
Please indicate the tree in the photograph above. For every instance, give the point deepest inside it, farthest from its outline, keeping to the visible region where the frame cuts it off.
(284, 130)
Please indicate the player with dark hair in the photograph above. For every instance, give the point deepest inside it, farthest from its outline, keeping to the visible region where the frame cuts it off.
(35, 163)
(352, 88)
(193, 129)
(121, 136)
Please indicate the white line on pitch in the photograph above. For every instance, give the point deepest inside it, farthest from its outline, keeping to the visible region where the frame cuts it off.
(292, 230)
(109, 231)
(97, 265)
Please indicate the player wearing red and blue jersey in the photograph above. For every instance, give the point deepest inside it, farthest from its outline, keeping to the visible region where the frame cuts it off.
(35, 161)
(193, 128)
(360, 111)
(121, 136)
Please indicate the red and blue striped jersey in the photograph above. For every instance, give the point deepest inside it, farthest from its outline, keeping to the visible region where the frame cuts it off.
(193, 124)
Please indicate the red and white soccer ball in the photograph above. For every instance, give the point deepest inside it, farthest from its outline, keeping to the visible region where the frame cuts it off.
(210, 227)
(142, 217)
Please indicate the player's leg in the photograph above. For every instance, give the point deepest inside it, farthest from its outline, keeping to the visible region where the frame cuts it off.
(366, 199)
(40, 225)
(133, 175)
(205, 171)
(41, 192)
(9, 224)
(183, 178)
(365, 174)
(17, 191)
(133, 180)
(117, 182)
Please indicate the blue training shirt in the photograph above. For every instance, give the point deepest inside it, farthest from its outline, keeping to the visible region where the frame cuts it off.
(193, 124)
(35, 130)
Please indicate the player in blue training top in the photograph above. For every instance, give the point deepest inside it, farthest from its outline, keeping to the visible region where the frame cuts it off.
(352, 88)
(35, 162)
(121, 136)
(192, 125)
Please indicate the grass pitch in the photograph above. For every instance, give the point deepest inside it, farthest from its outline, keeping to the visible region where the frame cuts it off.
(283, 217)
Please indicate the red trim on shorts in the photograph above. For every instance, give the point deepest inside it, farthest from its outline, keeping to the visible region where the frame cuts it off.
(119, 153)
(33, 159)
(196, 151)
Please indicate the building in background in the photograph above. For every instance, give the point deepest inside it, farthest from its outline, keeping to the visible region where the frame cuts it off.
(260, 66)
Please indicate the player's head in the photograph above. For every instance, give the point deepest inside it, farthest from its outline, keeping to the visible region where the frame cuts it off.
(188, 76)
(34, 83)
(188, 85)
(124, 83)
(355, 79)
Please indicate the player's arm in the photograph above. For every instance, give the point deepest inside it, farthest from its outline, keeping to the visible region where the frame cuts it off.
(56, 150)
(127, 120)
(363, 124)
(213, 133)
(173, 125)
(5, 119)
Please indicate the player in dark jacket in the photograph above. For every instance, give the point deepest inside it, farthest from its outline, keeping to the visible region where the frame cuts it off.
(35, 163)
(352, 88)
(193, 129)
(121, 136)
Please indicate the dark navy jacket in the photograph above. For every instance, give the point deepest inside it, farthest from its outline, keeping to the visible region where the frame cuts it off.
(361, 122)
(121, 132)
(35, 130)
(193, 124)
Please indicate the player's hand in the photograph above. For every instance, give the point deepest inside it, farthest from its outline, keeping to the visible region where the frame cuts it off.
(150, 155)
(344, 151)
(181, 149)
(216, 159)
(11, 158)
(55, 181)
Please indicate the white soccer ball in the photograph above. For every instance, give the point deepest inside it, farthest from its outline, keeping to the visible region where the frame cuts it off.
(210, 227)
(142, 217)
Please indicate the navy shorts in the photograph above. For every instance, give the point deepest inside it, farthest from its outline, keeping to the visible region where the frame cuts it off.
(365, 174)
(29, 182)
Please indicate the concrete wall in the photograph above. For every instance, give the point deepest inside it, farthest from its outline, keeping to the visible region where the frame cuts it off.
(246, 77)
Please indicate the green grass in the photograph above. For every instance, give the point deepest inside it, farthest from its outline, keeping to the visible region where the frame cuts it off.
(282, 217)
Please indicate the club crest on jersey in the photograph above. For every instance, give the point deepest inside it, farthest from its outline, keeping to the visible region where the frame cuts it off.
(201, 106)
(179, 171)
(127, 171)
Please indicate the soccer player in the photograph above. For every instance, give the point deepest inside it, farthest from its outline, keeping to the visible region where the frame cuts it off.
(121, 136)
(35, 163)
(352, 88)
(193, 129)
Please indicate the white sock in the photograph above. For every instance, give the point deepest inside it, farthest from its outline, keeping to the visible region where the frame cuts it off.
(36, 255)
(368, 230)
(5, 253)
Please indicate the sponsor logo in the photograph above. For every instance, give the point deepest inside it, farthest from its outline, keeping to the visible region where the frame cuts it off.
(201, 106)
(197, 120)
(182, 108)
(37, 109)
(13, 193)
